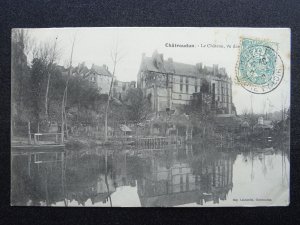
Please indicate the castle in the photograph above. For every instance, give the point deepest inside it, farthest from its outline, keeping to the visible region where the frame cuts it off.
(169, 85)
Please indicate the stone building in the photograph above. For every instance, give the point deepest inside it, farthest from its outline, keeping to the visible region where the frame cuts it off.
(187, 179)
(170, 84)
(101, 76)
(120, 88)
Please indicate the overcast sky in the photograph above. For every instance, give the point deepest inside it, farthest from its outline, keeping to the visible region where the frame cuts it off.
(93, 45)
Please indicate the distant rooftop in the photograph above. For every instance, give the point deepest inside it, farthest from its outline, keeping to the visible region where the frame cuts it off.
(101, 70)
(157, 63)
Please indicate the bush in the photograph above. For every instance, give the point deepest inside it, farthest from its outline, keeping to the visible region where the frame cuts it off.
(76, 145)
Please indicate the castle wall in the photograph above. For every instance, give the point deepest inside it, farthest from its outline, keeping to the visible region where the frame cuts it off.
(169, 89)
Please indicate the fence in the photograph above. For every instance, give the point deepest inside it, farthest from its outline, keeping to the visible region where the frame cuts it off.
(158, 142)
(45, 138)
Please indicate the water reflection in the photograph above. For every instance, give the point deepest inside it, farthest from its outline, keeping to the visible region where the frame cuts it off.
(176, 176)
(182, 179)
(37, 178)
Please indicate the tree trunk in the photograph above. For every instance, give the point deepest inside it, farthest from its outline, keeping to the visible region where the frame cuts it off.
(64, 101)
(48, 80)
(46, 96)
(66, 122)
(107, 106)
(106, 136)
(62, 121)
(106, 180)
(29, 133)
(115, 60)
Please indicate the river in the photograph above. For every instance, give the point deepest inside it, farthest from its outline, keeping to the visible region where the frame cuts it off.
(182, 176)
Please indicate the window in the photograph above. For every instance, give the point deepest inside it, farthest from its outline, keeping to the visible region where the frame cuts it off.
(180, 97)
(187, 88)
(196, 88)
(187, 80)
(149, 97)
(181, 87)
(213, 91)
(181, 79)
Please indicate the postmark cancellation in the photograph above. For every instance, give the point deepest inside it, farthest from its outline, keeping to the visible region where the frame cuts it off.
(260, 69)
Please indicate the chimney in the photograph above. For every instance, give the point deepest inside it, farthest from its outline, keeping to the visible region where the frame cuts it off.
(215, 69)
(154, 54)
(162, 57)
(222, 71)
(105, 67)
(199, 66)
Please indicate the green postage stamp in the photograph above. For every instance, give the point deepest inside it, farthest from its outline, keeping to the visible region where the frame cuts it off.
(260, 68)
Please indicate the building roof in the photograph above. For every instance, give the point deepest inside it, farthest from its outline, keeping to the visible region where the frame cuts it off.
(186, 69)
(125, 128)
(245, 124)
(81, 69)
(157, 63)
(267, 124)
(170, 67)
(101, 70)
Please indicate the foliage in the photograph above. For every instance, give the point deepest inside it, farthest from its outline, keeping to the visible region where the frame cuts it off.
(200, 113)
(83, 98)
(38, 90)
(137, 106)
(37, 82)
(19, 75)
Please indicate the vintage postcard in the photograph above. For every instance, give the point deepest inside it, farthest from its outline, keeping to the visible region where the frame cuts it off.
(150, 117)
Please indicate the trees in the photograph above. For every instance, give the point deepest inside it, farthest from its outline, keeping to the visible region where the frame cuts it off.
(29, 84)
(137, 106)
(83, 100)
(250, 117)
(20, 73)
(48, 54)
(64, 99)
(52, 58)
(115, 56)
(37, 80)
(200, 110)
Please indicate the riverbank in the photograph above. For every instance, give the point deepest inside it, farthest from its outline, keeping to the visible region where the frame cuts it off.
(77, 143)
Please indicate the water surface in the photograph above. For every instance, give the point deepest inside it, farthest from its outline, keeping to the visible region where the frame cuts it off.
(180, 176)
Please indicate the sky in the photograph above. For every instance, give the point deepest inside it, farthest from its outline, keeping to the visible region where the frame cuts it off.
(94, 45)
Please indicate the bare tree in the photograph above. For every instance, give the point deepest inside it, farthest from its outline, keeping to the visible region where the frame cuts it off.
(47, 52)
(245, 112)
(52, 58)
(22, 44)
(64, 100)
(115, 56)
(23, 37)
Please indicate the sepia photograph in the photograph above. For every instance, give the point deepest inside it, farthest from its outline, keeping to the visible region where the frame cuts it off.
(150, 117)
